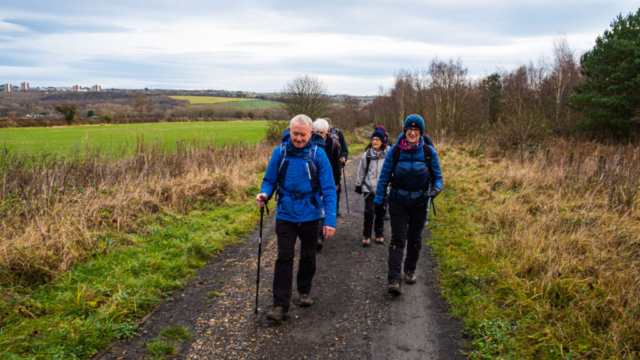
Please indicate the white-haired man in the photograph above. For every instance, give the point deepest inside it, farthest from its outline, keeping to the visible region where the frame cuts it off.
(299, 172)
(331, 146)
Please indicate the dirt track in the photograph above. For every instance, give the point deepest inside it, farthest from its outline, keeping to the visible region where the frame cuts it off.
(352, 319)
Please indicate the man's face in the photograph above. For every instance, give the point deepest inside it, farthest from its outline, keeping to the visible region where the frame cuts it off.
(300, 134)
(413, 134)
(321, 133)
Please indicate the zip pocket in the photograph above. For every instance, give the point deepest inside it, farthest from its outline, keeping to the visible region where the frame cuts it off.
(308, 171)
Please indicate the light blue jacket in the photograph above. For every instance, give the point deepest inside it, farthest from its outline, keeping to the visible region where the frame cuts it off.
(303, 181)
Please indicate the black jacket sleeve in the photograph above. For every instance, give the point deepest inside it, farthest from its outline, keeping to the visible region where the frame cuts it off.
(345, 150)
(334, 159)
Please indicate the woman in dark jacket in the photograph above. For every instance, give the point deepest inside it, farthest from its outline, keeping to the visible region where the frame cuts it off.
(413, 171)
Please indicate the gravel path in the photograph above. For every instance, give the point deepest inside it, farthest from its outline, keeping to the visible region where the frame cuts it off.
(352, 319)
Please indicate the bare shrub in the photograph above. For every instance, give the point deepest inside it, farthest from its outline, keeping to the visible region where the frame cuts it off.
(55, 212)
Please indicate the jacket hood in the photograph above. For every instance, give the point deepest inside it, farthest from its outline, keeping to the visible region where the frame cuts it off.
(286, 136)
(318, 140)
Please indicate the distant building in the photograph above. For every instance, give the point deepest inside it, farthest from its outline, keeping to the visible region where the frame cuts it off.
(77, 88)
(24, 86)
(7, 88)
(45, 116)
(96, 88)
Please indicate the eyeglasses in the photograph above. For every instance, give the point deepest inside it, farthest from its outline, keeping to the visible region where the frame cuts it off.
(412, 129)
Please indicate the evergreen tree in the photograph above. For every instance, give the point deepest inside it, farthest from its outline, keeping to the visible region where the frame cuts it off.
(491, 92)
(610, 94)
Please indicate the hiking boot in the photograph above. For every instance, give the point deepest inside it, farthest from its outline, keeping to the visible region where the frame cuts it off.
(394, 289)
(380, 240)
(410, 278)
(306, 300)
(320, 244)
(366, 242)
(279, 313)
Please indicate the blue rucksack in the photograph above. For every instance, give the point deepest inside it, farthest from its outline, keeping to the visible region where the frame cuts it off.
(427, 158)
(311, 164)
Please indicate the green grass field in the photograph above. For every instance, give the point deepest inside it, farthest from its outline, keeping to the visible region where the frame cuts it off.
(248, 105)
(121, 139)
(236, 103)
(196, 100)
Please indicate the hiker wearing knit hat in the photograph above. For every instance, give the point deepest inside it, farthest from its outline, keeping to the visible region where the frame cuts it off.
(366, 183)
(412, 169)
(386, 140)
(414, 121)
(380, 134)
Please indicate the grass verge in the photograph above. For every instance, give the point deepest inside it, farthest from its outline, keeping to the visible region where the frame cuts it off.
(541, 259)
(99, 301)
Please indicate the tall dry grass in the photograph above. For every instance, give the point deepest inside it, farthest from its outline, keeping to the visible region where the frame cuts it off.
(56, 212)
(567, 237)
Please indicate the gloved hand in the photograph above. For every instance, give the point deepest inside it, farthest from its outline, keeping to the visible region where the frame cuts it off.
(359, 189)
(432, 193)
(379, 208)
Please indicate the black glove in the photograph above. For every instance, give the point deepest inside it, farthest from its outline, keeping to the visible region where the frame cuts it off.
(379, 208)
(359, 189)
(432, 193)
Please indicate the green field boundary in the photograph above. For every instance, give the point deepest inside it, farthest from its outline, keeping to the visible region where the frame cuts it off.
(195, 100)
(246, 105)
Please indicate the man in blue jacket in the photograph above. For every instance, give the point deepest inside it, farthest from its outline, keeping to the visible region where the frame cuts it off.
(298, 172)
(412, 169)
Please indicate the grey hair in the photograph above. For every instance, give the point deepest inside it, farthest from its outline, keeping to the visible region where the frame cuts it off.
(321, 125)
(301, 119)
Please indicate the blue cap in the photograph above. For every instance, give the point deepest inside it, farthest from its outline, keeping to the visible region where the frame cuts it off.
(414, 120)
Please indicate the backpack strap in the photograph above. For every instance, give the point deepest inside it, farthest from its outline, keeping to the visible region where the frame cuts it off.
(369, 157)
(427, 160)
(284, 166)
(396, 157)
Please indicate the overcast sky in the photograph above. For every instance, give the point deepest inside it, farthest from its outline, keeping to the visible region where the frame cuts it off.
(353, 46)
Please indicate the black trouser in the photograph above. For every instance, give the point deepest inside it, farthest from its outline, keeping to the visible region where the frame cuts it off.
(369, 215)
(406, 228)
(283, 274)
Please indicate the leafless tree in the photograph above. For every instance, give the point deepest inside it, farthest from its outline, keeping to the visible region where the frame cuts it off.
(449, 90)
(348, 116)
(140, 103)
(306, 94)
(564, 74)
(522, 120)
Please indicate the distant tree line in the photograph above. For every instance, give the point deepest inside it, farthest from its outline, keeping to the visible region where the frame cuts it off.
(598, 96)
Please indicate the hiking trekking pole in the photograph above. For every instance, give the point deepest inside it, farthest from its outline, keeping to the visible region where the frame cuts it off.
(346, 192)
(426, 219)
(260, 248)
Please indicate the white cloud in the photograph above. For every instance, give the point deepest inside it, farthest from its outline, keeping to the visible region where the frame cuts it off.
(245, 45)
